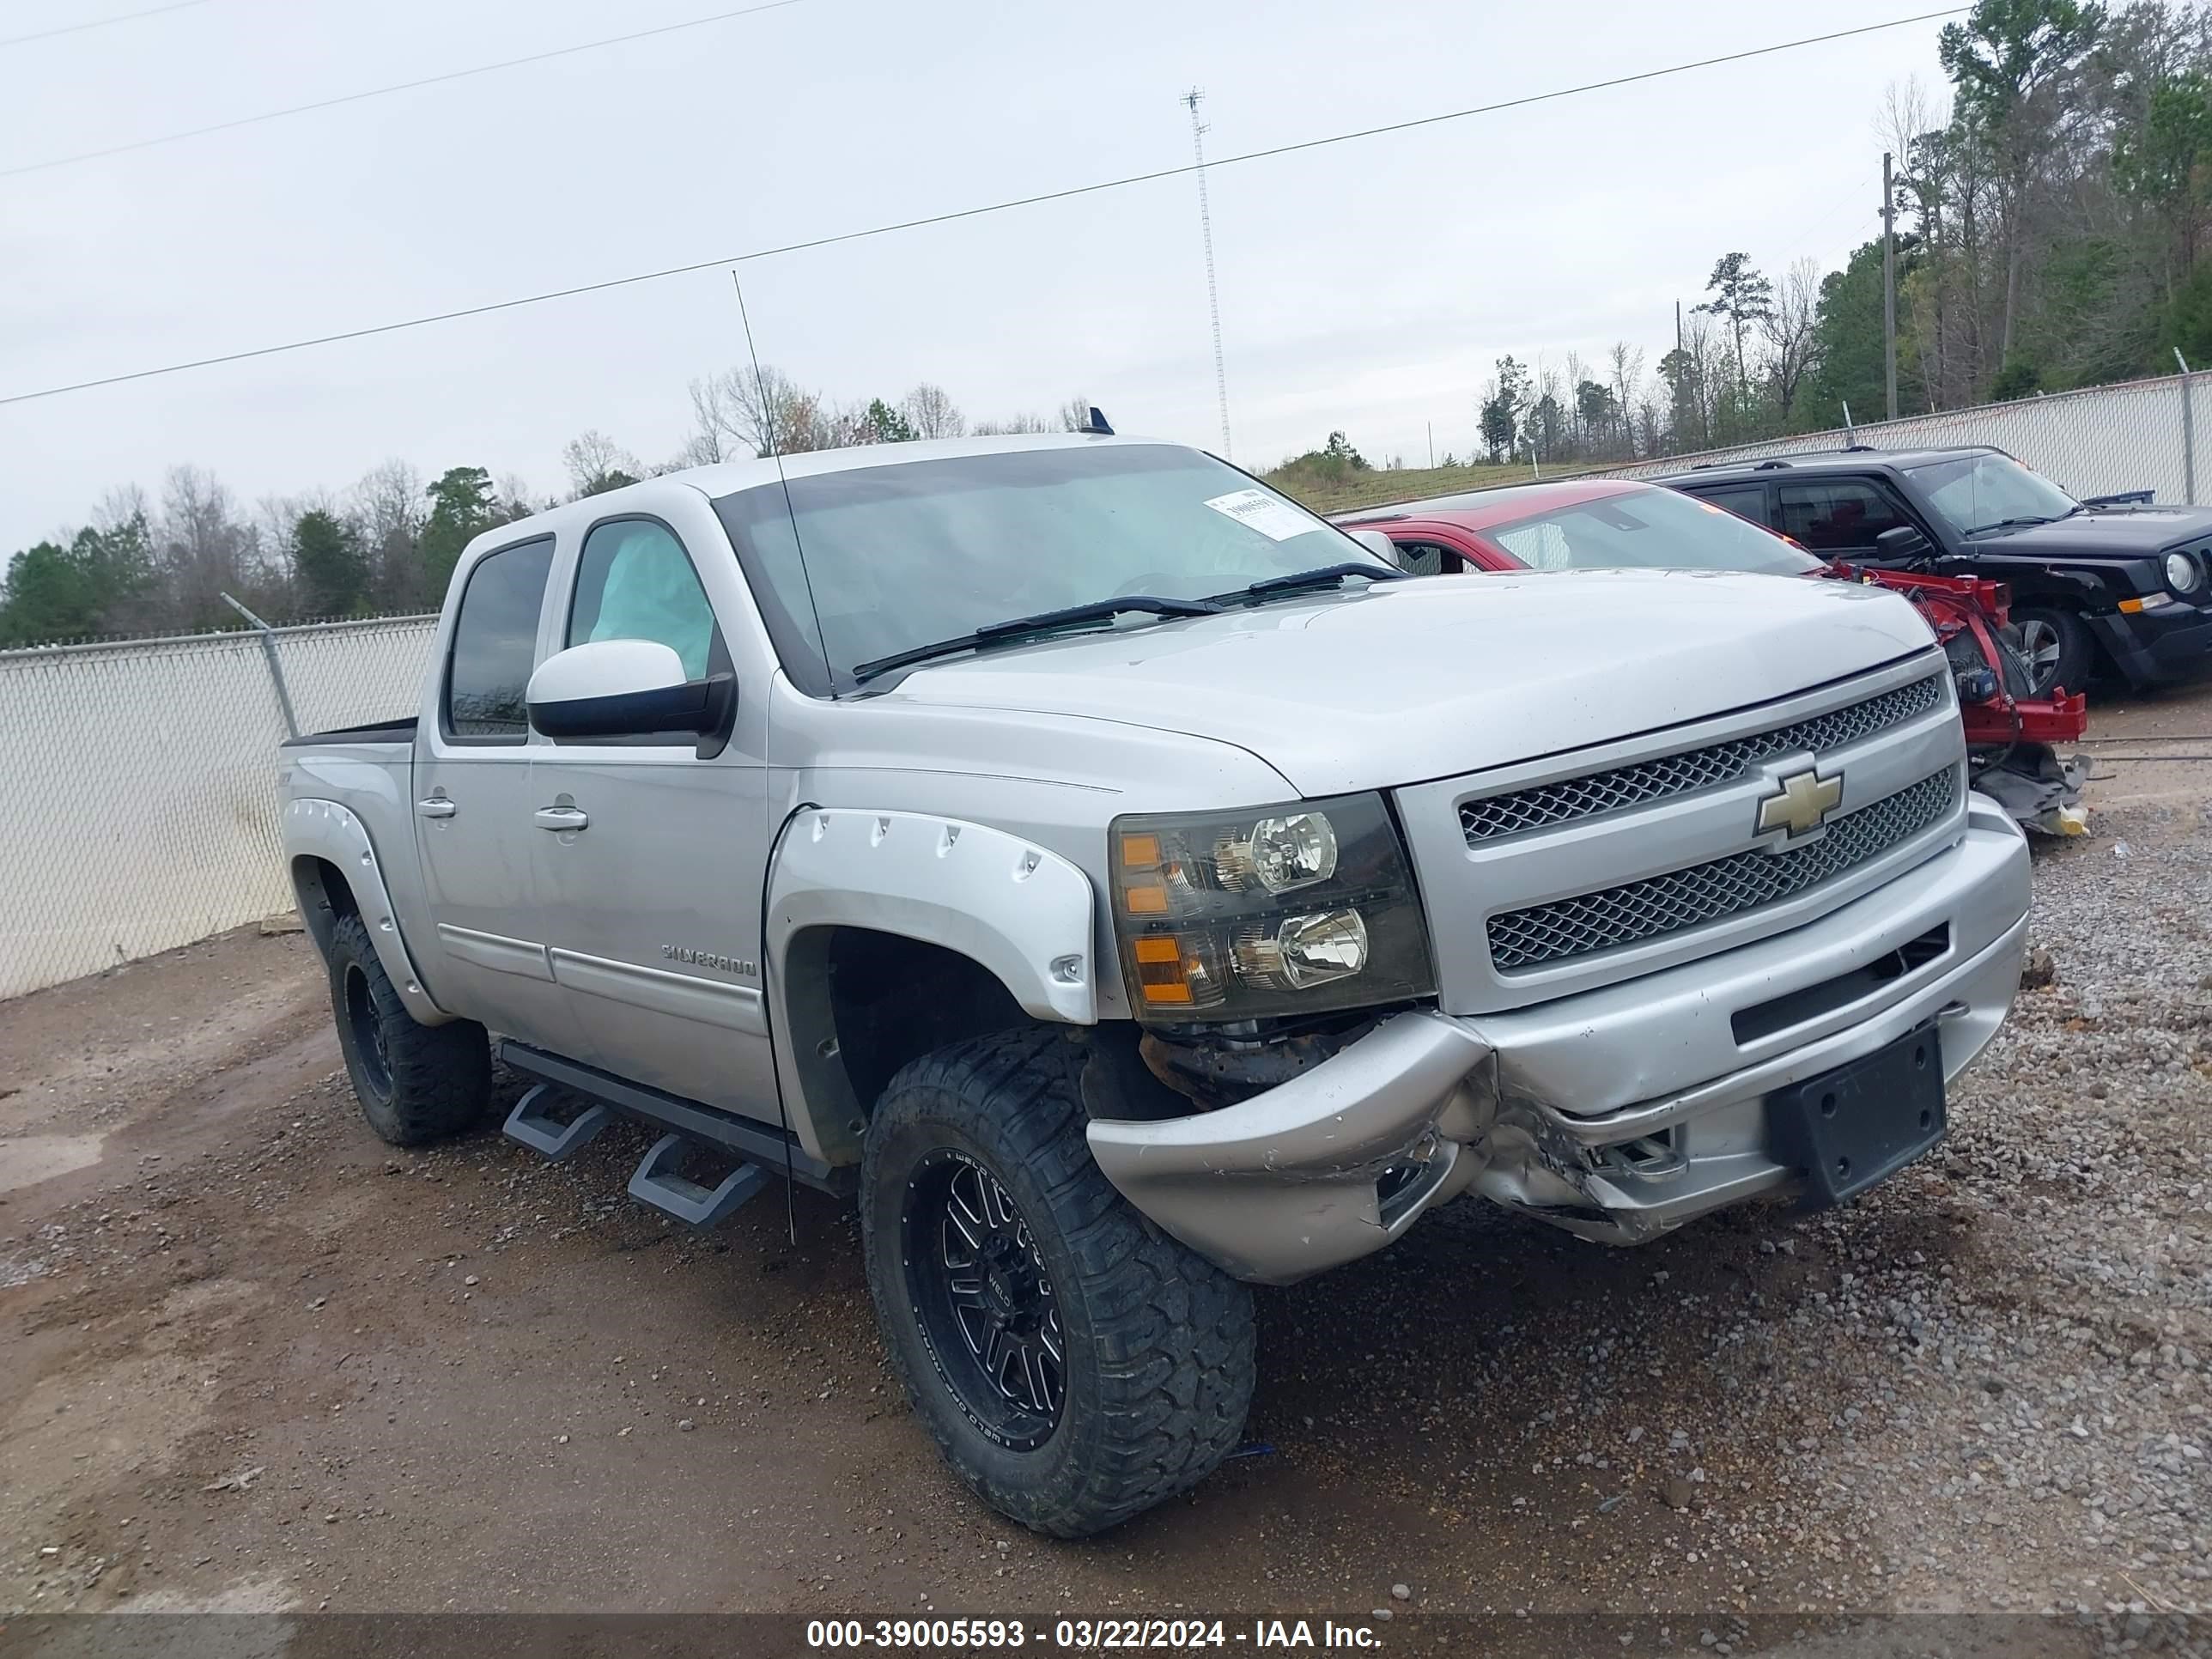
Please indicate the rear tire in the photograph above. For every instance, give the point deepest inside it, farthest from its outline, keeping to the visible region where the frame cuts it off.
(2058, 647)
(415, 1083)
(1074, 1364)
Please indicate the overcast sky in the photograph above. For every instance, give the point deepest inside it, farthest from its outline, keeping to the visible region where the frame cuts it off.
(1368, 286)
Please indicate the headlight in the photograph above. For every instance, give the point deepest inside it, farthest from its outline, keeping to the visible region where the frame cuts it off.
(2182, 573)
(1274, 910)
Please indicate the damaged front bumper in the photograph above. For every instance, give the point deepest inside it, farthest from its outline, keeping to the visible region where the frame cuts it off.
(1617, 1114)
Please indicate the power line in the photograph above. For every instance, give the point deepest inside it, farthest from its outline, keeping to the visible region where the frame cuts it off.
(99, 22)
(957, 213)
(373, 92)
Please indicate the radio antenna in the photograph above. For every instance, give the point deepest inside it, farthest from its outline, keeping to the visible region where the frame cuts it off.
(772, 419)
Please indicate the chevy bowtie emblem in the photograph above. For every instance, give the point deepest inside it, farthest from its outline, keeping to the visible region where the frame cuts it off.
(1801, 803)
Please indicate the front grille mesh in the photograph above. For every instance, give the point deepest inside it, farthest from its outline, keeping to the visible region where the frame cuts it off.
(1726, 887)
(1697, 768)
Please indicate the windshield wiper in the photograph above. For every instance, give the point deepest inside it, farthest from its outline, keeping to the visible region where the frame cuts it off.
(2010, 524)
(1299, 582)
(1045, 621)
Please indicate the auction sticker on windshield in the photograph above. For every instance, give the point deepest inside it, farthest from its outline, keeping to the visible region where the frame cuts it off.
(1276, 520)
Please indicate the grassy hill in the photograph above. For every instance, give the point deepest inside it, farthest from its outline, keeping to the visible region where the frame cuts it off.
(1330, 489)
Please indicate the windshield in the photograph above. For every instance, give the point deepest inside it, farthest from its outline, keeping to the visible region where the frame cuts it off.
(1975, 492)
(911, 553)
(1652, 529)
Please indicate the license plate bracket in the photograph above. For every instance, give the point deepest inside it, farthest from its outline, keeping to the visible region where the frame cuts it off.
(1863, 1122)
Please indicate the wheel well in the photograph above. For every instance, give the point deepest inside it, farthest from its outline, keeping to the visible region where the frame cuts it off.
(861, 1004)
(320, 887)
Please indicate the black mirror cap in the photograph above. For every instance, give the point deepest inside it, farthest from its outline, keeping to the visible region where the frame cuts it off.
(1900, 541)
(704, 709)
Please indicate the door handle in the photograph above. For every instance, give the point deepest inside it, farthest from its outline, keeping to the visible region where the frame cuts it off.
(437, 806)
(562, 817)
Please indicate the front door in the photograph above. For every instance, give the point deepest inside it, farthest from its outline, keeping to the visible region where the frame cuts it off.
(1840, 518)
(651, 862)
(473, 801)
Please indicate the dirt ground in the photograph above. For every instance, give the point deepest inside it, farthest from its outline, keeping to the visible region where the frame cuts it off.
(250, 1358)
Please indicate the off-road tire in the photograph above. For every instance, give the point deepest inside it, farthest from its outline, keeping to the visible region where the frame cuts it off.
(2077, 651)
(1158, 1341)
(415, 1083)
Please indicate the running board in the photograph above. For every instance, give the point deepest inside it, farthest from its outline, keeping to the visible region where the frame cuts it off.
(759, 1142)
(657, 1182)
(536, 1127)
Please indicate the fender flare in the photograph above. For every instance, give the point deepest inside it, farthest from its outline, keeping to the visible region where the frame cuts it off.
(1023, 912)
(327, 830)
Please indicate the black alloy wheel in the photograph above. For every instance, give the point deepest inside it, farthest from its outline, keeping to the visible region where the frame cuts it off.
(984, 1301)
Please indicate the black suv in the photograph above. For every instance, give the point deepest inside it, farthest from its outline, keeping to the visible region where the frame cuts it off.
(2110, 584)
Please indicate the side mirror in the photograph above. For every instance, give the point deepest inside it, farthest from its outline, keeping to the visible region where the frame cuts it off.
(1379, 542)
(625, 688)
(1901, 541)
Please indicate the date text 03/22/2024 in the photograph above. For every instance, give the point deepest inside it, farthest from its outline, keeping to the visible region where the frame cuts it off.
(1086, 1635)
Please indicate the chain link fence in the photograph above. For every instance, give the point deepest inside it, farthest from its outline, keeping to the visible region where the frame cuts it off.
(2102, 441)
(145, 774)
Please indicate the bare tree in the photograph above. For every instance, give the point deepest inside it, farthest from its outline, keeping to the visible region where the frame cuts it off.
(932, 413)
(1075, 414)
(1578, 372)
(388, 512)
(752, 411)
(1790, 328)
(122, 507)
(596, 462)
(1626, 363)
(1547, 412)
(514, 499)
(710, 441)
(204, 551)
(1018, 423)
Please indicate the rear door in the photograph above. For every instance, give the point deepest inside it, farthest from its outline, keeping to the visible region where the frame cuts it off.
(1746, 501)
(474, 798)
(650, 866)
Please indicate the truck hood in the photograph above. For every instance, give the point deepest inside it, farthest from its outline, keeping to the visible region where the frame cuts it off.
(1413, 680)
(2116, 532)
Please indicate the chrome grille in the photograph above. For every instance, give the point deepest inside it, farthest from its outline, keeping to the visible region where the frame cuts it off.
(1726, 887)
(1697, 768)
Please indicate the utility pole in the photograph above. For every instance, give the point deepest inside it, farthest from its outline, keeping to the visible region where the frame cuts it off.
(1888, 287)
(1212, 289)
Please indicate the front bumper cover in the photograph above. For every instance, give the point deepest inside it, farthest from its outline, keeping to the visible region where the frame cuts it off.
(2171, 646)
(1619, 1114)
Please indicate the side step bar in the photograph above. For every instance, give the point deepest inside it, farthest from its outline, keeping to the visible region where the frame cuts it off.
(659, 1183)
(763, 1144)
(536, 1127)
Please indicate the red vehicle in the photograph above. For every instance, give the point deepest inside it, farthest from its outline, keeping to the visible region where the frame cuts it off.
(1599, 524)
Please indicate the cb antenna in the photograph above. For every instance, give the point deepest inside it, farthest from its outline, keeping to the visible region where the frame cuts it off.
(1198, 131)
(772, 420)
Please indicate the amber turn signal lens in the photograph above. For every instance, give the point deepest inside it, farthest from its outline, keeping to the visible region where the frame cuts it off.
(1160, 971)
(1140, 851)
(1147, 898)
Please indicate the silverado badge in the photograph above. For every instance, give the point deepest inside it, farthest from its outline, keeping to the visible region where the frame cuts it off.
(1801, 803)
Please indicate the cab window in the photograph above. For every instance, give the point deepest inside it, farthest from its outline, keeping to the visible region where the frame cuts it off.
(496, 644)
(1428, 558)
(635, 582)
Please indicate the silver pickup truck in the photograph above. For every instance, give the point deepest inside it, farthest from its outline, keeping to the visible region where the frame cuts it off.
(1130, 888)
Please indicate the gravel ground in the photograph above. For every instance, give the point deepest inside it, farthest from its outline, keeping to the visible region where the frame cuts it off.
(251, 1359)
